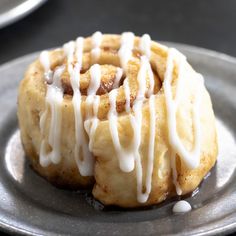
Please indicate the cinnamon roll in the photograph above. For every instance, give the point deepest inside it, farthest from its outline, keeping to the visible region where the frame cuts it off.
(122, 114)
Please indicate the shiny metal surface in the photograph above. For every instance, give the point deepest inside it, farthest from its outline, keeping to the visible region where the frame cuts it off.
(13, 10)
(30, 205)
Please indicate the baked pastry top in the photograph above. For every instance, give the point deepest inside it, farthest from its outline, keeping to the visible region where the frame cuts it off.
(119, 113)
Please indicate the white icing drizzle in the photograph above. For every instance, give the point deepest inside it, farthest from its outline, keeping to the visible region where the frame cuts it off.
(191, 158)
(92, 123)
(92, 100)
(54, 99)
(94, 84)
(96, 42)
(86, 164)
(69, 49)
(79, 51)
(125, 51)
(145, 45)
(126, 157)
(137, 129)
(181, 207)
(45, 62)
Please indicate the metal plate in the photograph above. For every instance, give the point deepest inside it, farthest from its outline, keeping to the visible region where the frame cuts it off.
(30, 205)
(13, 10)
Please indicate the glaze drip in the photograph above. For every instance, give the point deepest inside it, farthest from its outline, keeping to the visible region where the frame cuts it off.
(86, 162)
(126, 158)
(191, 158)
(45, 62)
(125, 52)
(54, 99)
(181, 207)
(96, 41)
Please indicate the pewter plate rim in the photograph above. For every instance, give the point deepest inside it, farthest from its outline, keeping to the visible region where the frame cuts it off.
(19, 11)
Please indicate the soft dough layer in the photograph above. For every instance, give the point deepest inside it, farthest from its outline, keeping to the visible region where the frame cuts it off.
(112, 185)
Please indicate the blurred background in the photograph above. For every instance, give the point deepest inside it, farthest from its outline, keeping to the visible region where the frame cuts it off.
(205, 23)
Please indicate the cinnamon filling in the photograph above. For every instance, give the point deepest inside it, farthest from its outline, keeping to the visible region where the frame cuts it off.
(108, 75)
